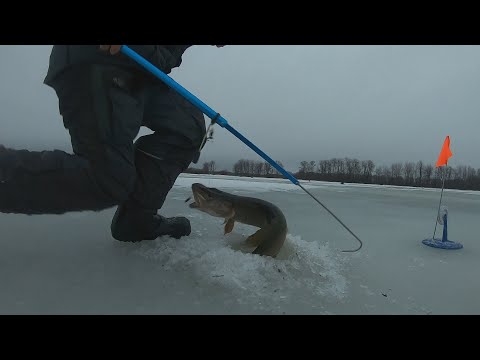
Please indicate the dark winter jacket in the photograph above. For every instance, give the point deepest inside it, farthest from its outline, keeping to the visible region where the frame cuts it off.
(165, 57)
(177, 121)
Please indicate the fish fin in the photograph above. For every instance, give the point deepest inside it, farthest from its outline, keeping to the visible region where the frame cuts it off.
(268, 241)
(229, 225)
(255, 239)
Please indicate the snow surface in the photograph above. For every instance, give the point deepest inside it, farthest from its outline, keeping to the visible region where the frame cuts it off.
(70, 264)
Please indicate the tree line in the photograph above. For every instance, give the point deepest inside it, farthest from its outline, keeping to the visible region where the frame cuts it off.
(418, 174)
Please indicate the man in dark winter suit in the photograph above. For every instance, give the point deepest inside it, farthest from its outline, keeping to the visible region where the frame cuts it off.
(104, 99)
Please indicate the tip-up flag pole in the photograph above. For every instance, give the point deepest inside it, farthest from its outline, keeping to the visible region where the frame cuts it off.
(442, 160)
(444, 243)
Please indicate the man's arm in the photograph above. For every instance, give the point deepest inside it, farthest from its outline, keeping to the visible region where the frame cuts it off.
(165, 57)
(116, 48)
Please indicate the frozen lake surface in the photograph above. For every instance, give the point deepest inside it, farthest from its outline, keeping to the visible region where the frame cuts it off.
(70, 264)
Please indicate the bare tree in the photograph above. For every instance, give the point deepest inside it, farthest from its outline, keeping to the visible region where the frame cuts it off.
(341, 166)
(449, 173)
(258, 168)
(268, 168)
(303, 167)
(240, 167)
(329, 167)
(428, 174)
(367, 167)
(335, 169)
(470, 172)
(335, 166)
(356, 168)
(419, 173)
(236, 168)
(409, 171)
(382, 174)
(322, 167)
(349, 167)
(397, 173)
(251, 167)
(371, 168)
(438, 174)
(206, 167)
(364, 167)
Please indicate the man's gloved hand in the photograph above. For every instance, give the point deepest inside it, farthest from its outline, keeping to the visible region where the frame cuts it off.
(113, 49)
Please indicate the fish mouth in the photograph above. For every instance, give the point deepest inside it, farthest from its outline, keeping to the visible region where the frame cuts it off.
(193, 205)
(199, 196)
(210, 201)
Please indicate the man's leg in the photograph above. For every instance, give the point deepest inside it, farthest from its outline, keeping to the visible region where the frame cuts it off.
(158, 166)
(103, 114)
(160, 158)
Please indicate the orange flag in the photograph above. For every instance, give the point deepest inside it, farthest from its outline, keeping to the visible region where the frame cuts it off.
(445, 153)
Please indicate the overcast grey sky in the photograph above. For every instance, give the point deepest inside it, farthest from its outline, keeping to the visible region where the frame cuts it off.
(310, 102)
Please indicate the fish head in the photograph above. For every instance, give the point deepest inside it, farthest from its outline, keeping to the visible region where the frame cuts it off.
(212, 201)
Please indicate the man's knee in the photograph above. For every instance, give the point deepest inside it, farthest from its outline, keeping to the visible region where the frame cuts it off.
(116, 178)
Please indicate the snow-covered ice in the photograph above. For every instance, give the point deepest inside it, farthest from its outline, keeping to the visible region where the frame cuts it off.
(69, 264)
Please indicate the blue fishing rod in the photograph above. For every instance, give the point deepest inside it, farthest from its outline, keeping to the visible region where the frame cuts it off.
(220, 120)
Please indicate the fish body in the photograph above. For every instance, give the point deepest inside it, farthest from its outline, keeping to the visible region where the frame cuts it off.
(268, 240)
